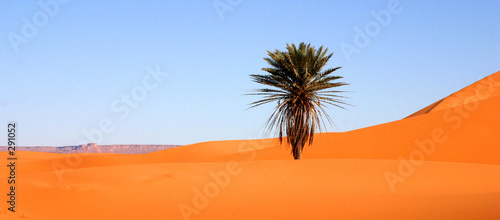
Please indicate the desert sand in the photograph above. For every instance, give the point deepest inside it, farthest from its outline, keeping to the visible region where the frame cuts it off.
(442, 162)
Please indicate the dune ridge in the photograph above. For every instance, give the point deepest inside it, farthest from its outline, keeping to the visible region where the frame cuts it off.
(440, 163)
(482, 89)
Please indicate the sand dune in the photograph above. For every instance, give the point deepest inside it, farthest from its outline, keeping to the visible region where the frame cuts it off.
(318, 189)
(441, 163)
(485, 88)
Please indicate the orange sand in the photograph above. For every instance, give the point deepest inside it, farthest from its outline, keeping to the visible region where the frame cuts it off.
(454, 173)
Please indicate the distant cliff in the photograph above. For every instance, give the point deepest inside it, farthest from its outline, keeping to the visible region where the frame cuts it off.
(94, 148)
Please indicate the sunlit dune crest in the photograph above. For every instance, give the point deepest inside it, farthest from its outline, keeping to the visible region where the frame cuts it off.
(485, 88)
(441, 162)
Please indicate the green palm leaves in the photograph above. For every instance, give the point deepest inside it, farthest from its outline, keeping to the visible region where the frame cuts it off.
(301, 89)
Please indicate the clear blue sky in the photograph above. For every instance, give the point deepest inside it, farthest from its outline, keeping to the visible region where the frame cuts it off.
(64, 69)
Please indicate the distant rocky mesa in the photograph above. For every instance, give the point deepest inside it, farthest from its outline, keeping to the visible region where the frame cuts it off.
(94, 148)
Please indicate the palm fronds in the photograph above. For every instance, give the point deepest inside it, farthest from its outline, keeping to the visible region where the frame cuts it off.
(302, 89)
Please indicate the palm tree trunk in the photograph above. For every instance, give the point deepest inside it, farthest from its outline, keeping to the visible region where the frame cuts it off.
(298, 154)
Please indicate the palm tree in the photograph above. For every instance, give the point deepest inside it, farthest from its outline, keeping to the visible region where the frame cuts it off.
(301, 90)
